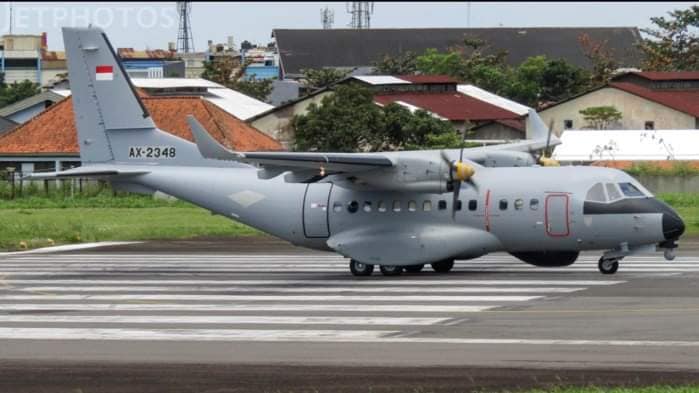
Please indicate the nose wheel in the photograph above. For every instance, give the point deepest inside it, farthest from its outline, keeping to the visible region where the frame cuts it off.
(669, 254)
(608, 265)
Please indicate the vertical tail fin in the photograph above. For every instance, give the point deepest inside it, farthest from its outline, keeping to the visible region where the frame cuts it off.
(103, 97)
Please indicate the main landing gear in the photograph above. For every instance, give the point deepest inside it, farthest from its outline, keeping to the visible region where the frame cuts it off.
(361, 269)
(608, 265)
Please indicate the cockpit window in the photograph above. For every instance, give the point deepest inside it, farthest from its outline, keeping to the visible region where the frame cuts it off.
(596, 193)
(630, 190)
(613, 192)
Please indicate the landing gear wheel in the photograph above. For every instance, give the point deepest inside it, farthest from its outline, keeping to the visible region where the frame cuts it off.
(443, 266)
(669, 254)
(414, 268)
(388, 270)
(360, 269)
(608, 266)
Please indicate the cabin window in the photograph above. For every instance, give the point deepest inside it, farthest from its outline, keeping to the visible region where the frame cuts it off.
(612, 192)
(596, 193)
(353, 206)
(630, 190)
(534, 204)
(567, 124)
(503, 204)
(427, 206)
(337, 207)
(367, 206)
(519, 204)
(412, 206)
(396, 206)
(442, 205)
(382, 206)
(472, 205)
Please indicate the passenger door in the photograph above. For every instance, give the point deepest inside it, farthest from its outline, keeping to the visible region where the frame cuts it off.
(315, 210)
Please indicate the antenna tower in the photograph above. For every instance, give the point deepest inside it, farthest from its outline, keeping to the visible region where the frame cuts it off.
(361, 14)
(327, 17)
(185, 41)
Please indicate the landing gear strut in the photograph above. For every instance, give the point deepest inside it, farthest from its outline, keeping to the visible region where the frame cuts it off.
(443, 266)
(608, 265)
(360, 269)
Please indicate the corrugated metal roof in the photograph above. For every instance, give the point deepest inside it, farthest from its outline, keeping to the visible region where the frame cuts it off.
(29, 102)
(453, 106)
(381, 80)
(428, 79)
(668, 76)
(633, 145)
(164, 83)
(686, 101)
(494, 99)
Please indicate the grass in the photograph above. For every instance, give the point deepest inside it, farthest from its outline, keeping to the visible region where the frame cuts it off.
(645, 389)
(44, 226)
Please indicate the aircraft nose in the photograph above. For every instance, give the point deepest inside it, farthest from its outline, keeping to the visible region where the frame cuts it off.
(673, 226)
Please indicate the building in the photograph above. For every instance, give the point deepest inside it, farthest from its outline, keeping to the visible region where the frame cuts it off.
(155, 63)
(646, 100)
(49, 140)
(351, 49)
(264, 63)
(195, 61)
(436, 94)
(26, 57)
(233, 102)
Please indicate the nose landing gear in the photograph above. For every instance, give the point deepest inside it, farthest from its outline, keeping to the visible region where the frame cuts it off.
(669, 254)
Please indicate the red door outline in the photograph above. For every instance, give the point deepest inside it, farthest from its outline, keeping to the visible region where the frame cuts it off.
(567, 212)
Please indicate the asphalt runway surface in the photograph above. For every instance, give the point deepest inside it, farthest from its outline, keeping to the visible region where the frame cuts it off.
(259, 315)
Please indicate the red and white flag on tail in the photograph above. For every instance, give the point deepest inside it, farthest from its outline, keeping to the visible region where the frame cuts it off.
(104, 73)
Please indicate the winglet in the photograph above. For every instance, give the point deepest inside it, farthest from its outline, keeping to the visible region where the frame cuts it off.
(207, 145)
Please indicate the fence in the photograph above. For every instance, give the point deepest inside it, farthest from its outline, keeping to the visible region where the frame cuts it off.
(13, 185)
(672, 183)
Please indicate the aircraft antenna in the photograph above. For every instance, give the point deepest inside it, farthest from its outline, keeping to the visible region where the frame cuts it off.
(185, 41)
(361, 12)
(327, 17)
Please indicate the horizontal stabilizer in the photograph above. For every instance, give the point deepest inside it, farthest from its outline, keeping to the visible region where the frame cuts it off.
(207, 145)
(87, 172)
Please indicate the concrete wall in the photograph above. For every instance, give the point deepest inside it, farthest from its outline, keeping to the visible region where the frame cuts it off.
(495, 131)
(634, 109)
(662, 184)
(278, 123)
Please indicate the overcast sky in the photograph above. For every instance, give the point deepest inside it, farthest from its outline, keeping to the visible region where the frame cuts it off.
(153, 25)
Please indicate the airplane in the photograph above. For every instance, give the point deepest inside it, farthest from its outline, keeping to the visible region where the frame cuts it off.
(396, 210)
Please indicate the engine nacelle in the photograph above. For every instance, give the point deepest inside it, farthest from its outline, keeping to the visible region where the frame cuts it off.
(508, 159)
(547, 258)
(411, 174)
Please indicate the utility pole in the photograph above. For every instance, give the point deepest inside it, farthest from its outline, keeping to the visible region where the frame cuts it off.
(361, 14)
(185, 41)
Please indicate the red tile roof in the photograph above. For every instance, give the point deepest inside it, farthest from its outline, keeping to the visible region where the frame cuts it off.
(686, 101)
(53, 131)
(154, 54)
(668, 76)
(428, 79)
(452, 106)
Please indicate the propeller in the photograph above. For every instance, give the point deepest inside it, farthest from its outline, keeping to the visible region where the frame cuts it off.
(459, 172)
(544, 157)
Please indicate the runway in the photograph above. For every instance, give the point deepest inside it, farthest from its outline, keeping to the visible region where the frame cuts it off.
(305, 308)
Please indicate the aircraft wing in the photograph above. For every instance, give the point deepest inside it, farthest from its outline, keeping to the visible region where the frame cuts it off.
(277, 162)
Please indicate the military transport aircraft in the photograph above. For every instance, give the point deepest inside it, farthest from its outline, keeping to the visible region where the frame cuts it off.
(397, 210)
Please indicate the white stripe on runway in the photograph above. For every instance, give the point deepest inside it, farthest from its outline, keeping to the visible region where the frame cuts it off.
(379, 281)
(221, 319)
(170, 265)
(297, 298)
(257, 335)
(189, 271)
(300, 307)
(299, 290)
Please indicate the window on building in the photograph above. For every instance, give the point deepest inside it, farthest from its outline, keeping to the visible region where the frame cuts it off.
(567, 124)
(519, 204)
(396, 206)
(442, 205)
(367, 206)
(337, 207)
(412, 206)
(649, 125)
(382, 206)
(427, 206)
(472, 205)
(353, 206)
(503, 204)
(534, 204)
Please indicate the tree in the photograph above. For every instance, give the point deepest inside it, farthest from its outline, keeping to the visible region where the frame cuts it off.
(349, 120)
(538, 80)
(600, 117)
(228, 71)
(602, 58)
(17, 91)
(402, 64)
(245, 45)
(318, 78)
(673, 45)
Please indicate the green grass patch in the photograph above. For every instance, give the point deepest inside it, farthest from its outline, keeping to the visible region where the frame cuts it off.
(35, 227)
(678, 168)
(687, 206)
(644, 389)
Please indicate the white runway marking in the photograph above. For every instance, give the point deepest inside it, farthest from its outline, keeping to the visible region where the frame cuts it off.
(218, 319)
(293, 298)
(377, 281)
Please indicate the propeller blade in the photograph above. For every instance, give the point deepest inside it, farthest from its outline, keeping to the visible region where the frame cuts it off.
(457, 188)
(548, 139)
